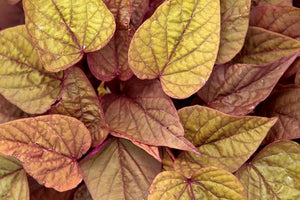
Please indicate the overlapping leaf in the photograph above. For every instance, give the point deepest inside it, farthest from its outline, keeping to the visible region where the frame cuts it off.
(48, 147)
(9, 111)
(64, 30)
(207, 183)
(273, 173)
(146, 115)
(112, 60)
(79, 100)
(23, 81)
(274, 2)
(82, 193)
(119, 170)
(138, 10)
(279, 19)
(284, 103)
(234, 26)
(13, 179)
(10, 15)
(121, 9)
(263, 46)
(237, 89)
(178, 44)
(223, 140)
(167, 159)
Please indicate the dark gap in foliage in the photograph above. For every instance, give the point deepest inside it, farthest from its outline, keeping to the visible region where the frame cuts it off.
(296, 3)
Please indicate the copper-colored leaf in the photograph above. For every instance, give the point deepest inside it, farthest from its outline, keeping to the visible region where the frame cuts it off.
(237, 89)
(23, 80)
(224, 141)
(207, 183)
(274, 2)
(79, 100)
(48, 147)
(82, 193)
(234, 26)
(9, 111)
(121, 9)
(263, 46)
(279, 19)
(112, 60)
(10, 15)
(119, 170)
(63, 30)
(145, 114)
(273, 173)
(139, 9)
(13, 179)
(152, 150)
(284, 103)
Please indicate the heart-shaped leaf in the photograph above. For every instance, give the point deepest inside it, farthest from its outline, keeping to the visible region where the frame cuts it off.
(207, 183)
(178, 44)
(23, 80)
(237, 89)
(48, 147)
(234, 26)
(279, 19)
(13, 179)
(119, 170)
(112, 60)
(263, 46)
(79, 100)
(146, 115)
(9, 111)
(223, 140)
(284, 103)
(273, 173)
(64, 30)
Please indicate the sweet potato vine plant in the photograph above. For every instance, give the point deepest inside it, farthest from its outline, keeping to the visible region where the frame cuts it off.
(149, 99)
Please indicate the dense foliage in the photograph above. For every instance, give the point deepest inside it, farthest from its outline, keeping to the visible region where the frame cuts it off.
(149, 99)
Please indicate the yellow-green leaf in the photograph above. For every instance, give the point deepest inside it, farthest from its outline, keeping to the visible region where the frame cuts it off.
(178, 44)
(263, 46)
(13, 179)
(79, 100)
(119, 170)
(234, 26)
(224, 141)
(273, 173)
(23, 81)
(48, 147)
(64, 30)
(207, 183)
(167, 159)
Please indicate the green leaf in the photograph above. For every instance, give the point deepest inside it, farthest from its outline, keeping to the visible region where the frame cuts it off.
(284, 103)
(178, 44)
(143, 113)
(263, 47)
(64, 30)
(273, 173)
(223, 140)
(119, 170)
(234, 26)
(48, 147)
(112, 60)
(23, 81)
(79, 100)
(280, 19)
(207, 183)
(13, 179)
(237, 89)
(9, 112)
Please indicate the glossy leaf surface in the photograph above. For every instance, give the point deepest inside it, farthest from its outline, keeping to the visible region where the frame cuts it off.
(178, 44)
(13, 179)
(23, 81)
(146, 115)
(223, 140)
(119, 170)
(207, 183)
(237, 89)
(64, 30)
(234, 26)
(48, 147)
(273, 173)
(79, 100)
